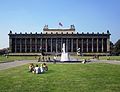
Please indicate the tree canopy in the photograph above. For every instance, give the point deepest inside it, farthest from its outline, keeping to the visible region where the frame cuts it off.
(117, 47)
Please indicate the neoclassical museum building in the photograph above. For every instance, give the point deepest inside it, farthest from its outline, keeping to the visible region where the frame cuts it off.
(50, 41)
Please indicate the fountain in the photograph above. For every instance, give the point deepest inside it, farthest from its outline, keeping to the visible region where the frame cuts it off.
(64, 55)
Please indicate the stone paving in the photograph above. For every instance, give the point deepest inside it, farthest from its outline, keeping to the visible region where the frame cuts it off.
(23, 62)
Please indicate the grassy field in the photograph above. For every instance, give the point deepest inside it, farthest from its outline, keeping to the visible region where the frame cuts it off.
(100, 57)
(13, 58)
(110, 58)
(63, 78)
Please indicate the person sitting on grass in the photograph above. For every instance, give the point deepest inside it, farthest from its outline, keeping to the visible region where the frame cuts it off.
(37, 70)
(45, 67)
(31, 67)
(41, 68)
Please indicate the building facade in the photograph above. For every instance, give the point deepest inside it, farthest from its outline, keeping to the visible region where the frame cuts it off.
(50, 41)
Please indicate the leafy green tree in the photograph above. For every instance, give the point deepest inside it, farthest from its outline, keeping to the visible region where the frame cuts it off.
(111, 46)
(117, 47)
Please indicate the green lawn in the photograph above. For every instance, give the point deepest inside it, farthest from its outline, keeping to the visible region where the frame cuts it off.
(63, 78)
(110, 58)
(100, 57)
(13, 58)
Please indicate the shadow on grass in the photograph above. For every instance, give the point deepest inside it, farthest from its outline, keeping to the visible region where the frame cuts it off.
(46, 72)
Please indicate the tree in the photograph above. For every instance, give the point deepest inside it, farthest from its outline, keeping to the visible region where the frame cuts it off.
(117, 47)
(3, 51)
(111, 46)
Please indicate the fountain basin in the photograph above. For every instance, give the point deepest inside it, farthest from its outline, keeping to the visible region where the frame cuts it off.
(65, 57)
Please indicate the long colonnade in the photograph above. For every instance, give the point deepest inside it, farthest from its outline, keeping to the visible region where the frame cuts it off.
(86, 45)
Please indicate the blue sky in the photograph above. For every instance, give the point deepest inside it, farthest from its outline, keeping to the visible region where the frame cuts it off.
(31, 16)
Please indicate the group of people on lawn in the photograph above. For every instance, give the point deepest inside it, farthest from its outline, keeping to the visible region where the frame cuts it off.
(38, 70)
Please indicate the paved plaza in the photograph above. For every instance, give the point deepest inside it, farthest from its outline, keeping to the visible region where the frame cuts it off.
(15, 64)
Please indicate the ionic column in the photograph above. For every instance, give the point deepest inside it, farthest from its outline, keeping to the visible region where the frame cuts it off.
(56, 45)
(46, 44)
(92, 44)
(30, 44)
(10, 44)
(97, 45)
(82, 46)
(61, 44)
(15, 46)
(87, 45)
(71, 45)
(108, 45)
(20, 45)
(102, 45)
(51, 44)
(25, 45)
(77, 43)
(35, 44)
(67, 45)
(41, 43)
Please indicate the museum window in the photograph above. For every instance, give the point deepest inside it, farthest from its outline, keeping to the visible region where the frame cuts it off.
(43, 44)
(38, 44)
(59, 44)
(80, 44)
(99, 45)
(49, 45)
(28, 44)
(13, 45)
(23, 45)
(18, 45)
(74, 45)
(53, 45)
(69, 45)
(95, 45)
(33, 45)
(105, 44)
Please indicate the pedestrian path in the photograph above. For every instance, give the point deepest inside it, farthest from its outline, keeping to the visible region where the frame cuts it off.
(23, 62)
(15, 63)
